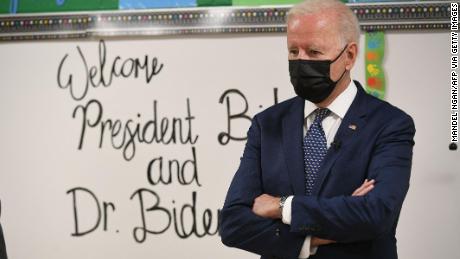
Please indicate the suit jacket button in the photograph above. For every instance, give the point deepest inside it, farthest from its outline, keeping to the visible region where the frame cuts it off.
(277, 232)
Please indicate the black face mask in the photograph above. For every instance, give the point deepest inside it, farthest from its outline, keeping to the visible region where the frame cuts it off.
(311, 78)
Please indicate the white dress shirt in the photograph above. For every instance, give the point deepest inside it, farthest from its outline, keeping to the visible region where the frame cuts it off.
(331, 123)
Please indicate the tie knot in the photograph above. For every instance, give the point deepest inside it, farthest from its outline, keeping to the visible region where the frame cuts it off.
(321, 113)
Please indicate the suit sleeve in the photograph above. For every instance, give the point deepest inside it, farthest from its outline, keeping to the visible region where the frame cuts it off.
(350, 218)
(239, 226)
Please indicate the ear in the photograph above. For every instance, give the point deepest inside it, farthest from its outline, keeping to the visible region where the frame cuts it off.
(351, 53)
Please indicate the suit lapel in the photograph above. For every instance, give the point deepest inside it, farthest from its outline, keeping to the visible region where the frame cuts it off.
(292, 145)
(353, 122)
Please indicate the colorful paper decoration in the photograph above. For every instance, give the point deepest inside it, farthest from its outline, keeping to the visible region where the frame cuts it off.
(265, 2)
(371, 1)
(214, 2)
(146, 4)
(33, 6)
(374, 52)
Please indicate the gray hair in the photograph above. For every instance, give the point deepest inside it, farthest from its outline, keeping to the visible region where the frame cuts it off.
(347, 21)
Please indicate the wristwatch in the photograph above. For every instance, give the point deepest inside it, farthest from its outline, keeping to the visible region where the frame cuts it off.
(282, 201)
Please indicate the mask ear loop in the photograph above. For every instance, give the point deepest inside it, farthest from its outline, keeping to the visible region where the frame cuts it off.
(340, 77)
(341, 52)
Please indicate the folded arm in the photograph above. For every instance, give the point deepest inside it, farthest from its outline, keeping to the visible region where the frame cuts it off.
(239, 226)
(356, 218)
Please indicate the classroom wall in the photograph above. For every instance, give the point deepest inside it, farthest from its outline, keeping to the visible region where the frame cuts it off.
(68, 191)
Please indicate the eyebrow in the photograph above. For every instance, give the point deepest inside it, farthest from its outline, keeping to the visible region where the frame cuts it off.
(316, 47)
(308, 47)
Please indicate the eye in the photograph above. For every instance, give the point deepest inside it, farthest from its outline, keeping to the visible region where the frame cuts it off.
(314, 52)
(293, 52)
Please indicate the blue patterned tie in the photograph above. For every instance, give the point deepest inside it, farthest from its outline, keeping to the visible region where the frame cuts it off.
(314, 149)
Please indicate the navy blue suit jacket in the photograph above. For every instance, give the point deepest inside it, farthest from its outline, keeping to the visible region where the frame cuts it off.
(378, 147)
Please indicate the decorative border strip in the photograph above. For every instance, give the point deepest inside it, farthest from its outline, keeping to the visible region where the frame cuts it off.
(372, 16)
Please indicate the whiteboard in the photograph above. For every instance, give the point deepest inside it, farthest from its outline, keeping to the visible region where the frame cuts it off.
(138, 166)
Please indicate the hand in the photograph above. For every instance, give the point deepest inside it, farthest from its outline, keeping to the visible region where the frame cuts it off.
(316, 241)
(267, 206)
(364, 189)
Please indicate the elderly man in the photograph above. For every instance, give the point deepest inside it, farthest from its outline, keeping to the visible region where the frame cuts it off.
(302, 188)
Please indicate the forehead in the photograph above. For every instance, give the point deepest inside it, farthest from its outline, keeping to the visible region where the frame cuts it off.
(312, 29)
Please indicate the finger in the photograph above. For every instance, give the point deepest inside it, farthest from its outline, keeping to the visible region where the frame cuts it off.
(325, 241)
(364, 185)
(368, 182)
(365, 190)
(356, 192)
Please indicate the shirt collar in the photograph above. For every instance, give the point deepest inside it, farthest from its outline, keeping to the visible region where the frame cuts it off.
(340, 105)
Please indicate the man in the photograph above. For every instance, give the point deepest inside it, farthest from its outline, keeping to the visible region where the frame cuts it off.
(302, 188)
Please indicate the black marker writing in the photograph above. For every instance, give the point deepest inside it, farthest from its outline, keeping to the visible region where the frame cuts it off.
(100, 212)
(126, 135)
(140, 233)
(159, 174)
(98, 75)
(179, 217)
(225, 137)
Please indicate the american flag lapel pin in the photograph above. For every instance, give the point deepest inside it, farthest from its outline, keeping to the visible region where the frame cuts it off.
(352, 126)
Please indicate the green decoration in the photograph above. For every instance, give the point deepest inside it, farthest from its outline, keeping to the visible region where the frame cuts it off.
(4, 6)
(33, 6)
(374, 53)
(265, 2)
(214, 2)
